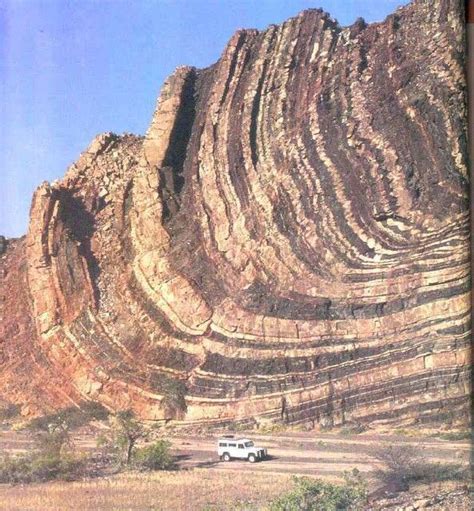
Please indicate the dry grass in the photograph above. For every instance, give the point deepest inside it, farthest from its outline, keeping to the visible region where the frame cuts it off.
(192, 490)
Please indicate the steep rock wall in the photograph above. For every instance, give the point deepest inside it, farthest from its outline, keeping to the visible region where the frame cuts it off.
(289, 242)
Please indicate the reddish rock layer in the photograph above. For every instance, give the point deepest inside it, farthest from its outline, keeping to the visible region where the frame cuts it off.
(289, 241)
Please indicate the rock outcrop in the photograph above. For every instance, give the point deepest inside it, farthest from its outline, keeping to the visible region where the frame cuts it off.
(288, 242)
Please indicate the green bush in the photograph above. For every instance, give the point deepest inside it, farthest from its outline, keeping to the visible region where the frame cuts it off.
(353, 429)
(435, 472)
(14, 469)
(316, 495)
(40, 467)
(46, 467)
(456, 435)
(154, 457)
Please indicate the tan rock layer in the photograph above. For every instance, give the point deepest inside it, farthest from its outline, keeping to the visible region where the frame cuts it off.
(289, 242)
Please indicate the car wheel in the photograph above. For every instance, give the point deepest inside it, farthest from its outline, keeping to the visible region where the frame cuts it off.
(252, 458)
(226, 456)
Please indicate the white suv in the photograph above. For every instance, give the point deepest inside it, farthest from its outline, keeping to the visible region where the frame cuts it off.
(241, 448)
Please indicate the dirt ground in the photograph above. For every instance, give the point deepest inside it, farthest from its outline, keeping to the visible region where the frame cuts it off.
(206, 483)
(326, 456)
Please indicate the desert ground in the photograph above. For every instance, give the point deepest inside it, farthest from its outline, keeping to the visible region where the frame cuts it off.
(203, 482)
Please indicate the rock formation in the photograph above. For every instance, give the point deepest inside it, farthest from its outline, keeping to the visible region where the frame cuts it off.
(288, 242)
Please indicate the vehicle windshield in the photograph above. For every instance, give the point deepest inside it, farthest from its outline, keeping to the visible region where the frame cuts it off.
(248, 444)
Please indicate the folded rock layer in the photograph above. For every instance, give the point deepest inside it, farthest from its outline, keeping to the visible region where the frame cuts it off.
(289, 241)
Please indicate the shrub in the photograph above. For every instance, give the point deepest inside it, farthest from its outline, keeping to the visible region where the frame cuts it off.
(267, 429)
(405, 464)
(8, 412)
(435, 472)
(316, 495)
(46, 467)
(154, 457)
(401, 465)
(14, 469)
(353, 429)
(40, 467)
(456, 435)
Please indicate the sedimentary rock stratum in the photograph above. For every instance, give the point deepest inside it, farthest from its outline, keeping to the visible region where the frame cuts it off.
(288, 242)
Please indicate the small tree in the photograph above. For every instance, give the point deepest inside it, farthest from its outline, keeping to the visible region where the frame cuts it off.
(52, 434)
(73, 417)
(125, 431)
(55, 441)
(52, 458)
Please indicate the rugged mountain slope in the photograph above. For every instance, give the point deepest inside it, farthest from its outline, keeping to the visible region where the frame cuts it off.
(288, 242)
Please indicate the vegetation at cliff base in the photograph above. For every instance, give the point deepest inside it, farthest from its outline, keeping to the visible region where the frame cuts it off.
(55, 456)
(403, 465)
(315, 495)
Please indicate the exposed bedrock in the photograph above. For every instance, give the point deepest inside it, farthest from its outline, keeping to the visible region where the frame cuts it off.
(289, 241)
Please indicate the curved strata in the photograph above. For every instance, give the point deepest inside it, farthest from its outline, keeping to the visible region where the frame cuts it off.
(288, 242)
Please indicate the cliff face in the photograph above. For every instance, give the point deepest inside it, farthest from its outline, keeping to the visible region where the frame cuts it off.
(289, 242)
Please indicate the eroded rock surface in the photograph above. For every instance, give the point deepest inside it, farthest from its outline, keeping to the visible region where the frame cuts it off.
(288, 242)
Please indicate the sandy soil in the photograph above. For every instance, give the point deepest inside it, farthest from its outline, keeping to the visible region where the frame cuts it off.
(206, 483)
(321, 455)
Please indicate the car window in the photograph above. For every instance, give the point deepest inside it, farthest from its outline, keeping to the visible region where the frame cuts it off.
(248, 444)
(241, 446)
(222, 444)
(232, 445)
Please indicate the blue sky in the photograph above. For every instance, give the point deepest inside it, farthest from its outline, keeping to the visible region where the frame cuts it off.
(72, 69)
